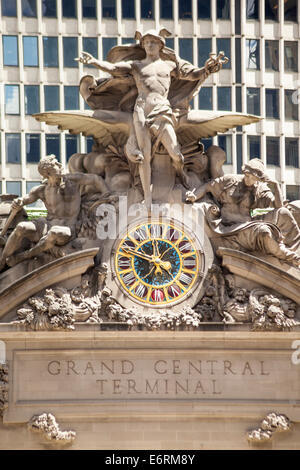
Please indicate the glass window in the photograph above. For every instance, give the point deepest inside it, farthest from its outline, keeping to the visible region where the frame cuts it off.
(273, 151)
(223, 9)
(51, 93)
(170, 43)
(29, 8)
(238, 55)
(272, 55)
(14, 187)
(49, 8)
(30, 51)
(29, 186)
(147, 9)
(91, 45)
(89, 9)
(207, 143)
(33, 148)
(271, 10)
(204, 9)
(204, 49)
(107, 44)
(50, 47)
(290, 11)
(32, 99)
(252, 9)
(185, 9)
(69, 8)
(291, 107)
(272, 103)
(292, 152)
(253, 101)
(89, 144)
(166, 9)
(225, 142)
(10, 50)
(186, 49)
(291, 56)
(70, 47)
(71, 145)
(128, 41)
(13, 148)
(12, 99)
(239, 153)
(224, 45)
(128, 9)
(71, 94)
(53, 145)
(205, 98)
(238, 99)
(224, 98)
(109, 8)
(292, 192)
(253, 144)
(9, 8)
(252, 50)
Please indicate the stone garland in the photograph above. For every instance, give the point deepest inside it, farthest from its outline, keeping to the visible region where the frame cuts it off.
(60, 309)
(46, 425)
(270, 425)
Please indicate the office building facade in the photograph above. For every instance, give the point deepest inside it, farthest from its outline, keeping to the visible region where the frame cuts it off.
(40, 39)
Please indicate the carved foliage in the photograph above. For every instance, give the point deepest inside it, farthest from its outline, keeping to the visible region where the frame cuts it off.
(46, 425)
(271, 424)
(3, 388)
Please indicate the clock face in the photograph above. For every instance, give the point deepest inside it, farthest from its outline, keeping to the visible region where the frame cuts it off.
(157, 263)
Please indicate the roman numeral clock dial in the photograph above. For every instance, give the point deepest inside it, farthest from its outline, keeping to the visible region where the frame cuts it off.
(157, 264)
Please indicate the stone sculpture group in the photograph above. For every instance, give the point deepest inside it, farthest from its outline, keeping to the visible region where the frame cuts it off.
(147, 148)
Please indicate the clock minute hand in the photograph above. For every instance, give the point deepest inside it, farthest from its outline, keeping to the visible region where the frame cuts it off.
(138, 253)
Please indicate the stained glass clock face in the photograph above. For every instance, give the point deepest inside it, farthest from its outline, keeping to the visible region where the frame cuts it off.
(157, 263)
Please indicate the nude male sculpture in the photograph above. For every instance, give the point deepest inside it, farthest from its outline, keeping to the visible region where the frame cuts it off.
(61, 196)
(153, 117)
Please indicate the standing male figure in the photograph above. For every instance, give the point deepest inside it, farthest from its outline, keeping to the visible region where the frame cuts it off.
(61, 196)
(153, 117)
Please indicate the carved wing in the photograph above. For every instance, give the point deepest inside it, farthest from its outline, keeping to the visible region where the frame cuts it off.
(111, 132)
(202, 124)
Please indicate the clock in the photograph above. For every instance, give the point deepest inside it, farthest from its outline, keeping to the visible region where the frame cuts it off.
(156, 263)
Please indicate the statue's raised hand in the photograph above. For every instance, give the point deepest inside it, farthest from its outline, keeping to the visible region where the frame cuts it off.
(86, 58)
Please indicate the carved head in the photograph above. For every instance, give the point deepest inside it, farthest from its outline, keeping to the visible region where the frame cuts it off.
(253, 171)
(49, 166)
(152, 39)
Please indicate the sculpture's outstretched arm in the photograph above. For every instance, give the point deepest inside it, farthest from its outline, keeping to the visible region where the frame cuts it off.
(86, 179)
(34, 195)
(195, 195)
(118, 67)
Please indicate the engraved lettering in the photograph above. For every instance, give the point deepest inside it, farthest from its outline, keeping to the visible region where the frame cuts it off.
(71, 366)
(101, 383)
(127, 367)
(227, 367)
(178, 386)
(132, 386)
(153, 389)
(212, 372)
(111, 369)
(192, 365)
(214, 388)
(90, 368)
(199, 387)
(54, 368)
(161, 371)
(247, 367)
(176, 368)
(116, 387)
(262, 371)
